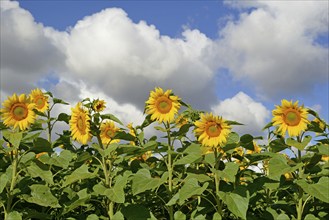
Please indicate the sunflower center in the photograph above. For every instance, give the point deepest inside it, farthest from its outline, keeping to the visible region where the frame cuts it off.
(19, 111)
(81, 124)
(213, 130)
(164, 104)
(109, 133)
(40, 102)
(291, 117)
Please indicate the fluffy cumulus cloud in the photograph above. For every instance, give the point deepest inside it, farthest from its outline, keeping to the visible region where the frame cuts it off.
(275, 45)
(271, 45)
(242, 108)
(26, 52)
(127, 59)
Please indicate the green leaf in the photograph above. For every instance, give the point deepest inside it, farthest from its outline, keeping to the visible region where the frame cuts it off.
(59, 101)
(78, 200)
(118, 216)
(282, 216)
(93, 217)
(236, 203)
(13, 137)
(136, 211)
(31, 136)
(217, 216)
(246, 138)
(3, 181)
(323, 149)
(179, 215)
(64, 117)
(270, 124)
(143, 181)
(41, 145)
(319, 190)
(35, 171)
(233, 137)
(188, 159)
(229, 171)
(116, 193)
(299, 145)
(278, 145)
(311, 217)
(111, 117)
(124, 136)
(278, 166)
(14, 216)
(191, 188)
(41, 195)
(79, 174)
(61, 160)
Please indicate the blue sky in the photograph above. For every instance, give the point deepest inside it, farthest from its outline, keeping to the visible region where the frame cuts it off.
(237, 59)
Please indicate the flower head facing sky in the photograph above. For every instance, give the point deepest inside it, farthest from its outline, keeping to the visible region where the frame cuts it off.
(18, 112)
(212, 131)
(290, 117)
(162, 106)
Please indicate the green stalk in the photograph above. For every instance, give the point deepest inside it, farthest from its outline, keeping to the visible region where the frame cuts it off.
(108, 184)
(49, 126)
(218, 201)
(12, 184)
(299, 206)
(170, 170)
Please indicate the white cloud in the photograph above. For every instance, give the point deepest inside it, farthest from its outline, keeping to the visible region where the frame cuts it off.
(274, 46)
(26, 52)
(242, 108)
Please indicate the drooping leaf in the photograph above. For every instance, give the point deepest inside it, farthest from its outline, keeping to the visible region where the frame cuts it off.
(3, 181)
(111, 117)
(299, 145)
(319, 190)
(41, 195)
(191, 188)
(79, 174)
(236, 203)
(35, 171)
(143, 181)
(229, 171)
(41, 145)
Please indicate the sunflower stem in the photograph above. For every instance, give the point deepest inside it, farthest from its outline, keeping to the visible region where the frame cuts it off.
(170, 170)
(12, 183)
(218, 201)
(49, 126)
(109, 203)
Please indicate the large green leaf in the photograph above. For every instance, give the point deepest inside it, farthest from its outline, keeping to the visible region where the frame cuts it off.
(236, 203)
(35, 171)
(41, 145)
(319, 190)
(278, 166)
(299, 145)
(179, 215)
(41, 195)
(79, 174)
(79, 200)
(191, 188)
(229, 171)
(136, 211)
(13, 137)
(143, 181)
(61, 160)
(14, 216)
(3, 181)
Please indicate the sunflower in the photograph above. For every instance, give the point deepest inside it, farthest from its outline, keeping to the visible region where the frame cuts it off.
(39, 99)
(18, 112)
(212, 131)
(290, 117)
(99, 105)
(79, 124)
(162, 106)
(132, 132)
(108, 131)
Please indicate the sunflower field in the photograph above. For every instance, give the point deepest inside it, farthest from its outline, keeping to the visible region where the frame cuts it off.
(195, 167)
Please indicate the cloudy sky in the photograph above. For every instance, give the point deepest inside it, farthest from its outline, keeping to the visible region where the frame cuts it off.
(235, 58)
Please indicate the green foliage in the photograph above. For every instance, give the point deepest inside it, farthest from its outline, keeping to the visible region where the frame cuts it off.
(168, 176)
